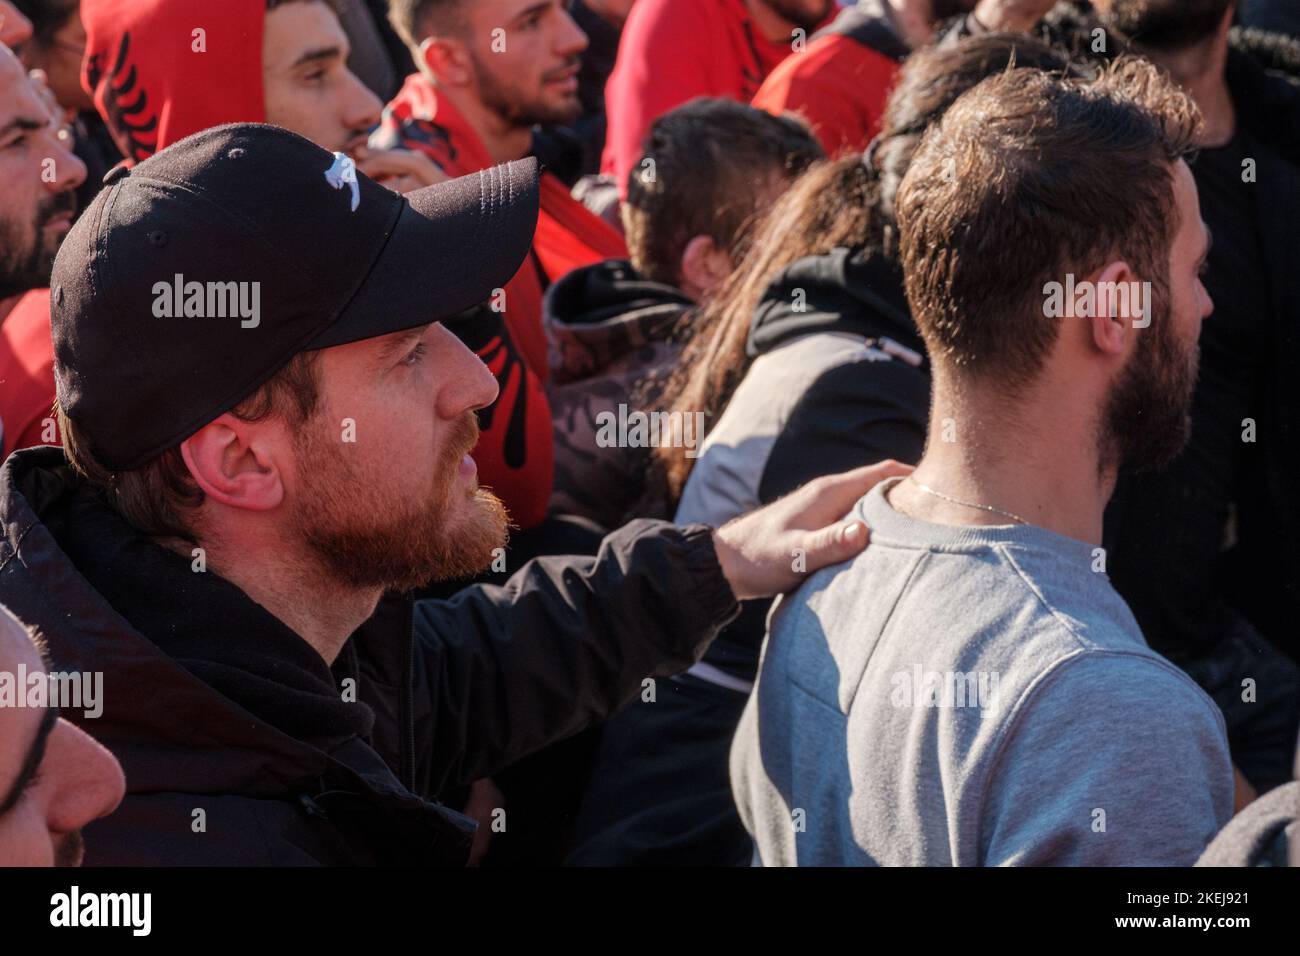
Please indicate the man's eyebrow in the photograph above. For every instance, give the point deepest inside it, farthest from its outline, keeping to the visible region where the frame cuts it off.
(527, 12)
(24, 124)
(319, 55)
(32, 762)
(397, 342)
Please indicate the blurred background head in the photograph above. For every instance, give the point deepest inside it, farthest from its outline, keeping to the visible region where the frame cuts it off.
(518, 60)
(15, 29)
(806, 14)
(54, 779)
(1166, 25)
(39, 173)
(57, 45)
(306, 81)
(711, 168)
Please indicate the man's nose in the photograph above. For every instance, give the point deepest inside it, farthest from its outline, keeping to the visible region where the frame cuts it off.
(68, 169)
(572, 40)
(86, 780)
(363, 107)
(466, 384)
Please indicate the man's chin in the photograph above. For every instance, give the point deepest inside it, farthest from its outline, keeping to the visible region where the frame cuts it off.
(476, 536)
(562, 111)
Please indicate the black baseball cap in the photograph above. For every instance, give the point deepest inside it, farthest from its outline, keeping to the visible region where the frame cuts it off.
(279, 246)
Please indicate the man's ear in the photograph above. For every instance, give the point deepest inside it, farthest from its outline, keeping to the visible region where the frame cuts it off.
(234, 462)
(1117, 307)
(703, 268)
(447, 60)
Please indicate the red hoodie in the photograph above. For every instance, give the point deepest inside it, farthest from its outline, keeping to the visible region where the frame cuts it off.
(134, 93)
(840, 83)
(156, 79)
(27, 375)
(673, 51)
(160, 70)
(568, 236)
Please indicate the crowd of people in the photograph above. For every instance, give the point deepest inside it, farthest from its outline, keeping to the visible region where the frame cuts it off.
(616, 432)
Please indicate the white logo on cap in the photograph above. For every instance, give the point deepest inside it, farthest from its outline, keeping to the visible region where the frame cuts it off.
(344, 171)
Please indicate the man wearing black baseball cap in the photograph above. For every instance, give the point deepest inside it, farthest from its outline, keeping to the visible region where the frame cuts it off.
(266, 428)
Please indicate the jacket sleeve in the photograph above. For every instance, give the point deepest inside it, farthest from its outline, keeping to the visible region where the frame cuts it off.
(503, 671)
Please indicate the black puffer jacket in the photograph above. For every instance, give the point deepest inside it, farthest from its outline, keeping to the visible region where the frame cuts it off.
(237, 741)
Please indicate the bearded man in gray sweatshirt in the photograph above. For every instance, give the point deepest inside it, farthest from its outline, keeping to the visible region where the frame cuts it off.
(971, 690)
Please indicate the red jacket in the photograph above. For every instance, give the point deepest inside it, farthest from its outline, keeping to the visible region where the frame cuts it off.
(27, 375)
(673, 51)
(149, 81)
(840, 83)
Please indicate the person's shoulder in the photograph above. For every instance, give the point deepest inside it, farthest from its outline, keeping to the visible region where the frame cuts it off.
(823, 52)
(1068, 578)
(1133, 686)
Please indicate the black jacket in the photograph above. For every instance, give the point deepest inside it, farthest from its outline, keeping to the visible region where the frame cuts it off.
(833, 336)
(850, 414)
(608, 329)
(1267, 572)
(237, 741)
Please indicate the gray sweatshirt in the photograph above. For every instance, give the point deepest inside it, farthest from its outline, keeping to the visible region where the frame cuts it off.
(973, 696)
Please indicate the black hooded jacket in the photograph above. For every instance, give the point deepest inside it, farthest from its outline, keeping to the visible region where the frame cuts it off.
(850, 414)
(839, 380)
(241, 746)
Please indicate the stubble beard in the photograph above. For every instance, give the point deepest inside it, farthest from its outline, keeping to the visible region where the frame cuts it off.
(366, 537)
(1148, 415)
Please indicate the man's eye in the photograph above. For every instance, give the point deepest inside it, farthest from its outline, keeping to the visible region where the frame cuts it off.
(415, 355)
(315, 76)
(16, 143)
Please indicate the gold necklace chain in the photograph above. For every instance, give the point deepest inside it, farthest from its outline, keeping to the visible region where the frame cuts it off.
(966, 504)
